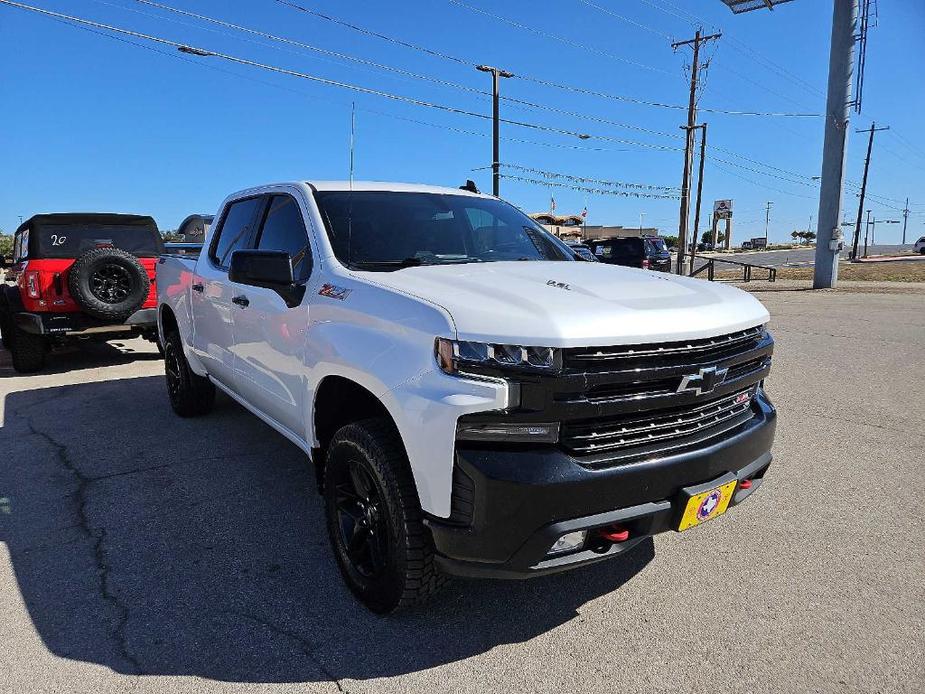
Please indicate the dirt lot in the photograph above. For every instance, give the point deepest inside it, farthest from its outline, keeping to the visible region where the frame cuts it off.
(140, 552)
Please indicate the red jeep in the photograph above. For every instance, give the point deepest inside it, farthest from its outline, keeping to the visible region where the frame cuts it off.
(79, 276)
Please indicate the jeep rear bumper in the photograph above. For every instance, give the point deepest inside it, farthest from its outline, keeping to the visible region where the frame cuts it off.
(522, 501)
(64, 324)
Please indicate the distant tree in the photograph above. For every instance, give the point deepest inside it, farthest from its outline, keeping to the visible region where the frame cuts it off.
(6, 244)
(795, 235)
(810, 236)
(171, 236)
(671, 241)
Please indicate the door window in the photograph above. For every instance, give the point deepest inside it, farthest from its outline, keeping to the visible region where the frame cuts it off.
(235, 231)
(284, 230)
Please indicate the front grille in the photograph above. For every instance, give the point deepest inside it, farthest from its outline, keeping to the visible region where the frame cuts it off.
(626, 403)
(681, 353)
(631, 431)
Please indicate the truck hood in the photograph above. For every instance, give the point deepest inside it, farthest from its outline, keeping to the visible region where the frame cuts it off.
(575, 304)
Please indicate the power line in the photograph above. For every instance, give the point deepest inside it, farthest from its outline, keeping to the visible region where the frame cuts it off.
(584, 179)
(555, 37)
(588, 189)
(528, 78)
(626, 19)
(201, 52)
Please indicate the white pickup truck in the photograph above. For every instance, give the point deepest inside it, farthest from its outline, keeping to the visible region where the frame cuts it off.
(473, 399)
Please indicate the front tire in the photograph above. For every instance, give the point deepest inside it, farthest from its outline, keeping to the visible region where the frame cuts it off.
(190, 395)
(27, 350)
(374, 519)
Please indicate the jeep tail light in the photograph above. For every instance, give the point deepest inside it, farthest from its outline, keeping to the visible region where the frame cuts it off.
(645, 264)
(32, 285)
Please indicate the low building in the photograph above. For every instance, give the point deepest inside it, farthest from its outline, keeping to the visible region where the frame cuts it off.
(572, 227)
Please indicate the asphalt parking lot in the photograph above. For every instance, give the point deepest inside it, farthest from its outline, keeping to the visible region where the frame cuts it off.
(140, 552)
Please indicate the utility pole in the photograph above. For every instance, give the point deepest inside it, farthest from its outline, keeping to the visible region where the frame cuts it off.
(703, 152)
(767, 221)
(905, 220)
(496, 75)
(689, 145)
(867, 231)
(837, 108)
(870, 145)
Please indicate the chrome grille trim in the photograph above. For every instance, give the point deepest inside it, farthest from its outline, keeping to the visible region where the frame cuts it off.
(685, 347)
(621, 433)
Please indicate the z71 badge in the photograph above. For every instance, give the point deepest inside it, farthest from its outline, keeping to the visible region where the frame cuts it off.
(332, 291)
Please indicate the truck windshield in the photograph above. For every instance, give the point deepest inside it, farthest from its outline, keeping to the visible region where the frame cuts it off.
(383, 230)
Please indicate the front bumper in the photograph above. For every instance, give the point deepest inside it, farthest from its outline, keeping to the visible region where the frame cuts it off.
(65, 324)
(519, 502)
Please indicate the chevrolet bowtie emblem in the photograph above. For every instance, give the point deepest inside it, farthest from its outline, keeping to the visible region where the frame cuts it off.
(705, 381)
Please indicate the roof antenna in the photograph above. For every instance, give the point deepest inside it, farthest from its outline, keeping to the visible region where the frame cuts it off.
(470, 186)
(353, 128)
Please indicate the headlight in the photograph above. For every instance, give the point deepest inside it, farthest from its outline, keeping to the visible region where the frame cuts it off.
(454, 356)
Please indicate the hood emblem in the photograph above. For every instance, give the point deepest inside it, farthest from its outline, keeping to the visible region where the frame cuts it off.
(558, 285)
(703, 382)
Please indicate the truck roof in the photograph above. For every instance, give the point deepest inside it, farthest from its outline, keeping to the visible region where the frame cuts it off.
(389, 187)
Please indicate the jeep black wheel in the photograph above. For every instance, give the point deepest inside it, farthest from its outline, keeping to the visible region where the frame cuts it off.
(27, 350)
(382, 548)
(108, 283)
(190, 395)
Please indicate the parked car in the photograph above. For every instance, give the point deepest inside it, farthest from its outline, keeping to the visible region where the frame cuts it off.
(78, 276)
(473, 401)
(919, 246)
(582, 251)
(648, 252)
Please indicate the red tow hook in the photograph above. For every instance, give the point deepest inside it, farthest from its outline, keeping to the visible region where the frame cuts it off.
(745, 484)
(614, 533)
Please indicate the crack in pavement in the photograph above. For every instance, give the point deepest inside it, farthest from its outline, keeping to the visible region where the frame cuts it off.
(306, 646)
(98, 536)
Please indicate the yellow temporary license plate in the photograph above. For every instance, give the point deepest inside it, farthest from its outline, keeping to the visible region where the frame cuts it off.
(707, 505)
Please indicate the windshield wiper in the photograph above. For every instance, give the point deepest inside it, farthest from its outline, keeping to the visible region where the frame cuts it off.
(397, 264)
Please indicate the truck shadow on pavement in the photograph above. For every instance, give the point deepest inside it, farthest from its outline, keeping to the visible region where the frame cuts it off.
(156, 545)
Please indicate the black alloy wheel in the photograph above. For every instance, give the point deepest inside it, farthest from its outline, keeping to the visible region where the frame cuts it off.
(375, 523)
(190, 395)
(361, 519)
(111, 283)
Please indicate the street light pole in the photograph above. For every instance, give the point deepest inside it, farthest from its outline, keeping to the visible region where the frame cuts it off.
(496, 75)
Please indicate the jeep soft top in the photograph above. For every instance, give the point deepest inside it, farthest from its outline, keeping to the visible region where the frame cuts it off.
(85, 275)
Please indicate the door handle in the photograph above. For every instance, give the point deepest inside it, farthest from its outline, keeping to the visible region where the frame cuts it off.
(240, 301)
(198, 287)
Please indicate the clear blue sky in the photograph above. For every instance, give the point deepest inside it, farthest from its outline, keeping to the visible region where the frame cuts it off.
(91, 123)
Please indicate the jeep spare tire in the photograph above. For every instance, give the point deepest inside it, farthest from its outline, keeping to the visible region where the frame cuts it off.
(108, 283)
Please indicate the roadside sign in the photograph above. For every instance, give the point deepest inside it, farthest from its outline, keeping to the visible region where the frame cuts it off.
(722, 209)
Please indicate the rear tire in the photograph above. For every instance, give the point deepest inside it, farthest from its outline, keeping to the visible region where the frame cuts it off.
(6, 329)
(374, 519)
(190, 395)
(28, 350)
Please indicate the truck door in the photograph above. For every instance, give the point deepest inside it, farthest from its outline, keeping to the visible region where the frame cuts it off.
(212, 304)
(270, 336)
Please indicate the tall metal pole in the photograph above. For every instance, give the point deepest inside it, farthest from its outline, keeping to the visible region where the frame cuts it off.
(867, 231)
(870, 145)
(496, 75)
(767, 221)
(905, 220)
(689, 144)
(838, 104)
(703, 153)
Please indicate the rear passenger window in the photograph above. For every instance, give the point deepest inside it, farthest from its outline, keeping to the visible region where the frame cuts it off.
(235, 232)
(284, 230)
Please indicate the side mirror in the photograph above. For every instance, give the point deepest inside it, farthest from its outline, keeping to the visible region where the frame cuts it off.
(270, 269)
